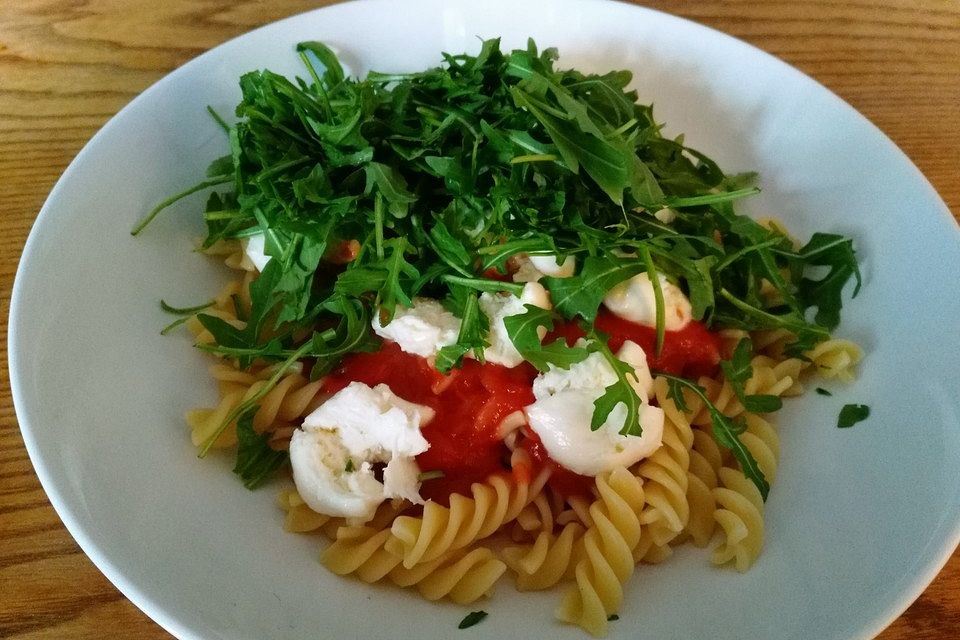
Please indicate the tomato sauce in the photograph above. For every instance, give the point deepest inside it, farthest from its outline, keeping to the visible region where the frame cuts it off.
(470, 404)
(691, 352)
(561, 480)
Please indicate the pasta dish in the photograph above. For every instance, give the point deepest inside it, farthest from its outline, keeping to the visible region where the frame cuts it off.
(492, 322)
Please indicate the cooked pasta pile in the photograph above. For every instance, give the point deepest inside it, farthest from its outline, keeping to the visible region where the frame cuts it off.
(496, 322)
(690, 490)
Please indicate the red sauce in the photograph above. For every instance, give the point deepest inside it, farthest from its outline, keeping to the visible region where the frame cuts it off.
(493, 274)
(470, 403)
(691, 352)
(562, 480)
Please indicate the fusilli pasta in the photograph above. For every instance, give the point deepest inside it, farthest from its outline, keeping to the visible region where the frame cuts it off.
(441, 529)
(689, 489)
(608, 552)
(740, 516)
(291, 399)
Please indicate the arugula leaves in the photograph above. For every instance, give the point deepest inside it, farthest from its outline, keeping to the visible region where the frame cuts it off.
(524, 332)
(185, 314)
(481, 159)
(726, 431)
(582, 294)
(620, 392)
(256, 459)
(737, 371)
(435, 178)
(472, 334)
(836, 253)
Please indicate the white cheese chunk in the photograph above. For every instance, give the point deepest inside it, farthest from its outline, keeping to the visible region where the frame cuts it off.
(563, 410)
(423, 329)
(634, 300)
(332, 455)
(526, 272)
(497, 307)
(634, 355)
(533, 268)
(547, 265)
(400, 479)
(253, 247)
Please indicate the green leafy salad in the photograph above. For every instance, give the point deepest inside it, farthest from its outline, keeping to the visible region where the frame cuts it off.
(440, 177)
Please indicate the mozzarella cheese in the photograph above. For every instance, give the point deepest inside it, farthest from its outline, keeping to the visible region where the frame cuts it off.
(563, 410)
(635, 300)
(547, 265)
(427, 326)
(497, 307)
(253, 247)
(333, 453)
(423, 329)
(641, 380)
(533, 268)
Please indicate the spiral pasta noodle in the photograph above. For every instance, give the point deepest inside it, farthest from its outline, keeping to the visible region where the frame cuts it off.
(608, 545)
(705, 462)
(467, 519)
(299, 518)
(665, 473)
(461, 576)
(690, 489)
(835, 358)
(290, 400)
(769, 378)
(537, 516)
(578, 510)
(739, 515)
(359, 551)
(548, 560)
(230, 304)
(771, 342)
(761, 439)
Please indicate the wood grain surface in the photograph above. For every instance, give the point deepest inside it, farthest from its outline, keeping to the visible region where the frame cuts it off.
(67, 66)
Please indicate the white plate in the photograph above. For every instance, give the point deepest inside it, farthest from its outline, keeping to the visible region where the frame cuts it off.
(859, 521)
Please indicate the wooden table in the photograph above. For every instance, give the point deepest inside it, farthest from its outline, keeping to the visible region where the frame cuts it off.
(67, 67)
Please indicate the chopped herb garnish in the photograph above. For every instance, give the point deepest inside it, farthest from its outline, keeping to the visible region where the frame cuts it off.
(349, 468)
(851, 414)
(823, 392)
(472, 618)
(612, 617)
